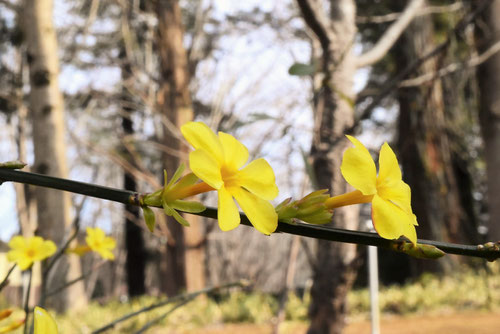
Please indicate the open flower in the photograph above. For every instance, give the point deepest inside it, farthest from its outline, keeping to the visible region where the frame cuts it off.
(100, 243)
(390, 197)
(13, 325)
(25, 251)
(44, 323)
(218, 161)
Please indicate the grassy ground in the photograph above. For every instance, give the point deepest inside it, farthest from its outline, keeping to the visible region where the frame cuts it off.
(466, 302)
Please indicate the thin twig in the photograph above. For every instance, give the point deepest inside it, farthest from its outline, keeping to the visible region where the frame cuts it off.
(60, 252)
(6, 279)
(312, 231)
(73, 281)
(27, 300)
(165, 302)
(163, 316)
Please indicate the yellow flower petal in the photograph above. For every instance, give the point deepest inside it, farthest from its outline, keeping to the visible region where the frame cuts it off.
(17, 242)
(390, 221)
(47, 248)
(14, 255)
(206, 168)
(24, 263)
(200, 136)
(359, 169)
(98, 241)
(44, 323)
(389, 173)
(399, 194)
(258, 178)
(235, 153)
(106, 254)
(228, 214)
(261, 213)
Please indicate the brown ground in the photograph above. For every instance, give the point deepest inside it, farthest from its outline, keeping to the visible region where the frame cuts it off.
(461, 323)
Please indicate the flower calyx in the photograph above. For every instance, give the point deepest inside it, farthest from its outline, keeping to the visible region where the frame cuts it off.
(170, 197)
(310, 209)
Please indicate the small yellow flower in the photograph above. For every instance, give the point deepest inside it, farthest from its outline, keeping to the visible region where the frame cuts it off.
(44, 323)
(218, 161)
(390, 197)
(100, 243)
(12, 325)
(25, 251)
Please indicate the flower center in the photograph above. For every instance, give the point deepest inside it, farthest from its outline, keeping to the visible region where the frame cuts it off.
(30, 252)
(229, 176)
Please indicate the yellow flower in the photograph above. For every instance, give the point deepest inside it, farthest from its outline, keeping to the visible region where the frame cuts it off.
(25, 251)
(100, 243)
(12, 325)
(44, 323)
(218, 161)
(390, 197)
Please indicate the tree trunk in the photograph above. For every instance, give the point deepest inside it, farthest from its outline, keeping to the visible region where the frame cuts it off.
(46, 107)
(488, 76)
(135, 262)
(185, 247)
(335, 269)
(424, 143)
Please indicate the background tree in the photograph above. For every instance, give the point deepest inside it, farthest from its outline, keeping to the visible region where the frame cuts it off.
(335, 31)
(487, 31)
(47, 115)
(185, 263)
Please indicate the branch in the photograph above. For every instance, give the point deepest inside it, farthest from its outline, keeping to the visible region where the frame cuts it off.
(380, 49)
(10, 5)
(424, 11)
(451, 68)
(315, 18)
(488, 251)
(389, 85)
(6, 279)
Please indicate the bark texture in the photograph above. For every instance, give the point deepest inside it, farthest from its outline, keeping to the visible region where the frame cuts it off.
(47, 115)
(135, 262)
(334, 270)
(424, 144)
(488, 76)
(185, 246)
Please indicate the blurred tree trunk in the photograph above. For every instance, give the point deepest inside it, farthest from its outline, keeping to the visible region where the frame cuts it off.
(335, 269)
(487, 33)
(185, 247)
(336, 265)
(47, 115)
(424, 144)
(135, 262)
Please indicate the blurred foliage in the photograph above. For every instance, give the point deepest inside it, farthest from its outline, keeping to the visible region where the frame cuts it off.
(466, 290)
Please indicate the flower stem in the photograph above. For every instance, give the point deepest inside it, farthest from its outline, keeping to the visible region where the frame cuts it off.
(490, 252)
(353, 197)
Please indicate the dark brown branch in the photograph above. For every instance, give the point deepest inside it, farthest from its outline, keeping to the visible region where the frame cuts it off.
(315, 18)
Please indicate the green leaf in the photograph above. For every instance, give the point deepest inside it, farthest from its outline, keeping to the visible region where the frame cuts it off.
(149, 217)
(179, 218)
(186, 181)
(259, 117)
(300, 69)
(188, 206)
(12, 164)
(177, 174)
(172, 213)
